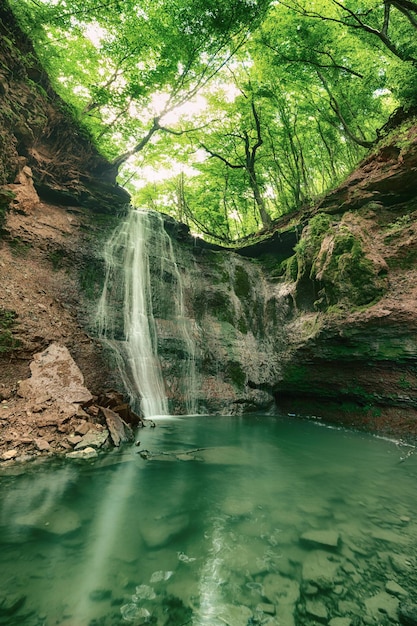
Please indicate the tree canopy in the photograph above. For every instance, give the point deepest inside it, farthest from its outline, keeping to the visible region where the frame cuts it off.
(228, 114)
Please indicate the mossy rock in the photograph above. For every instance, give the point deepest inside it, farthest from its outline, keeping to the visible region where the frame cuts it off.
(7, 322)
(242, 285)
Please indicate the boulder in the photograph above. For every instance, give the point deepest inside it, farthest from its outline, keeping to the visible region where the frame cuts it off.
(120, 432)
(85, 453)
(56, 377)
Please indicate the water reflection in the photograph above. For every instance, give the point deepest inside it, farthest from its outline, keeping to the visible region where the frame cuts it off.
(233, 521)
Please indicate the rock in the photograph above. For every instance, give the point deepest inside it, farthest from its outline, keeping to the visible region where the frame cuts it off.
(59, 522)
(321, 538)
(85, 453)
(382, 534)
(158, 533)
(83, 428)
(408, 614)
(74, 439)
(120, 432)
(234, 615)
(320, 568)
(11, 603)
(93, 439)
(281, 590)
(400, 563)
(382, 603)
(316, 609)
(340, 621)
(9, 454)
(42, 444)
(266, 608)
(395, 589)
(55, 376)
(98, 595)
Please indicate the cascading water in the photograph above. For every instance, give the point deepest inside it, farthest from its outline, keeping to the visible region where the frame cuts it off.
(143, 283)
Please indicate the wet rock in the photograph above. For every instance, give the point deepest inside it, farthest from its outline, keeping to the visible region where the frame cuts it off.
(98, 595)
(382, 603)
(321, 538)
(120, 432)
(93, 439)
(408, 614)
(284, 593)
(9, 454)
(60, 522)
(85, 453)
(347, 606)
(395, 589)
(382, 534)
(234, 615)
(400, 563)
(281, 590)
(266, 608)
(320, 568)
(11, 603)
(316, 609)
(157, 533)
(340, 621)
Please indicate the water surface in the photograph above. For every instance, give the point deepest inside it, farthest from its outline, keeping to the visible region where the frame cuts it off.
(213, 521)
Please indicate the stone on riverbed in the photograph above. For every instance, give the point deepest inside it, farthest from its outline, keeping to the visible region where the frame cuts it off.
(59, 522)
(382, 603)
(321, 538)
(316, 609)
(157, 533)
(234, 615)
(408, 614)
(320, 568)
(395, 589)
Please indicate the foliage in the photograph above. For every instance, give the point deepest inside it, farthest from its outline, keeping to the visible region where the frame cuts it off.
(245, 109)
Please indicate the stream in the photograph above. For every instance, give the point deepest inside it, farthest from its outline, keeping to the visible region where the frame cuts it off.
(213, 521)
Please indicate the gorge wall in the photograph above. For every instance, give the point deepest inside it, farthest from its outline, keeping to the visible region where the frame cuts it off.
(323, 327)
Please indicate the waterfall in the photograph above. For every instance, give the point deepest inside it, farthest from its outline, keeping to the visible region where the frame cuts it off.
(143, 287)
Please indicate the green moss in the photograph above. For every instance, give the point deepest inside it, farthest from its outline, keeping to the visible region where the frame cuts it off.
(242, 284)
(296, 375)
(19, 247)
(291, 270)
(57, 259)
(7, 322)
(91, 279)
(236, 374)
(6, 197)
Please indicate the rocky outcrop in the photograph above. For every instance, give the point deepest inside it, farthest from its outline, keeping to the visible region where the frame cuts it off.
(38, 130)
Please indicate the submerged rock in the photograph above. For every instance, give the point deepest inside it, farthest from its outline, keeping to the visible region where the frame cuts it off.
(316, 609)
(323, 538)
(408, 614)
(320, 568)
(382, 603)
